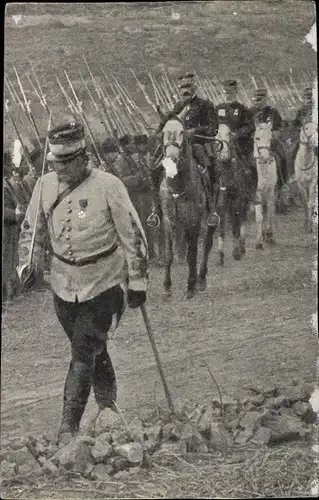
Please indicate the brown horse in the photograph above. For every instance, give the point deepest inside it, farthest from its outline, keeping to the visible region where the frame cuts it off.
(184, 205)
(234, 193)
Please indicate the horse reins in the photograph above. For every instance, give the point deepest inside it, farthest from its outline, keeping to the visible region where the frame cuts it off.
(307, 144)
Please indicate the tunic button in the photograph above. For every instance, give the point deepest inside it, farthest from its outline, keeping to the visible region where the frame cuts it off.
(67, 237)
(68, 229)
(69, 246)
(68, 220)
(69, 201)
(72, 259)
(69, 210)
(70, 252)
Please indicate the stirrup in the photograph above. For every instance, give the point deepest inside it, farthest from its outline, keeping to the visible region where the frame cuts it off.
(213, 219)
(153, 220)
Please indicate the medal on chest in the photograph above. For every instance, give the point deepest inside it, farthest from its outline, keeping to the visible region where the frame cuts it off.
(83, 205)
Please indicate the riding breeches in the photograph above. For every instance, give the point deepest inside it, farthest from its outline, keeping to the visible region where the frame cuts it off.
(86, 324)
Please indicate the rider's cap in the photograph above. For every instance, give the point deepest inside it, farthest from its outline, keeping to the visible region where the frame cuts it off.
(66, 141)
(230, 86)
(7, 157)
(307, 92)
(110, 145)
(186, 79)
(260, 94)
(140, 139)
(125, 140)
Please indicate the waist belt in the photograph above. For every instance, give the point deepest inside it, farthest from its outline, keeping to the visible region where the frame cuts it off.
(88, 260)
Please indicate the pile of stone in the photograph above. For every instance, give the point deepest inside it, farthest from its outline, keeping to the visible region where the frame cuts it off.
(117, 449)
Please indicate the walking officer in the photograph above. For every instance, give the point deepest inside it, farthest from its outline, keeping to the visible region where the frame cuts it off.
(100, 259)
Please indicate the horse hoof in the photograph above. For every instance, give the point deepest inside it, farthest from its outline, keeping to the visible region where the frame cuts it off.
(242, 247)
(166, 294)
(237, 255)
(221, 260)
(189, 294)
(202, 284)
(259, 246)
(269, 238)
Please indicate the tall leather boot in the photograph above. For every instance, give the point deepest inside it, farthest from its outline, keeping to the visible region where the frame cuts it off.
(156, 216)
(213, 219)
(76, 393)
(104, 381)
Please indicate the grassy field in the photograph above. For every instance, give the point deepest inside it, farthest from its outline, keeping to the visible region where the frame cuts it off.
(221, 39)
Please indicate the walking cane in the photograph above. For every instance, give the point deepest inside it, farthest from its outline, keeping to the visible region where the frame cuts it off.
(158, 361)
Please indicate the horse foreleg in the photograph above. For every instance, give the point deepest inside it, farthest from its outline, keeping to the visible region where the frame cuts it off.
(271, 208)
(236, 234)
(192, 237)
(207, 246)
(304, 199)
(221, 229)
(259, 218)
(168, 262)
(311, 204)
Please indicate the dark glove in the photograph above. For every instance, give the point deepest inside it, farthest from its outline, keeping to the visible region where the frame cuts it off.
(135, 299)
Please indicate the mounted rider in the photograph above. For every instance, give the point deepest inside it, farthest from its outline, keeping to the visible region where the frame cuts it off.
(240, 121)
(263, 113)
(304, 115)
(199, 118)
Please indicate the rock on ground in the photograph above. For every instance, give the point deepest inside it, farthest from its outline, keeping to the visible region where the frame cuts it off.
(132, 452)
(75, 455)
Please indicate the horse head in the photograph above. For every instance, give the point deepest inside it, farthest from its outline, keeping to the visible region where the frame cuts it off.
(262, 141)
(223, 136)
(309, 135)
(174, 143)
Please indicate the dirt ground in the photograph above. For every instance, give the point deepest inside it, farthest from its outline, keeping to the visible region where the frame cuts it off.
(252, 324)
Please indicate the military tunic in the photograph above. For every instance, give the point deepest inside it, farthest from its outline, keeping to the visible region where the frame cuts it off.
(96, 221)
(304, 115)
(240, 120)
(201, 115)
(266, 115)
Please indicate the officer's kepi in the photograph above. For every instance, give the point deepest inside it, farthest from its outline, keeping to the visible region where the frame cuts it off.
(66, 142)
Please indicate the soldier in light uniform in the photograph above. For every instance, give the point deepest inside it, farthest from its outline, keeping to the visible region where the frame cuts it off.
(99, 261)
(264, 113)
(199, 118)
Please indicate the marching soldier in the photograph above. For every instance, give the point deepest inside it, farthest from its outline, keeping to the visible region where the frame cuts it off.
(110, 151)
(13, 216)
(99, 260)
(264, 113)
(200, 119)
(132, 169)
(145, 200)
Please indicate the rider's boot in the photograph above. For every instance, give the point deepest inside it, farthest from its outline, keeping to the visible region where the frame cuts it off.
(156, 215)
(213, 218)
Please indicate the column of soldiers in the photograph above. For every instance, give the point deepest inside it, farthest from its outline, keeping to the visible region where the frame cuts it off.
(129, 159)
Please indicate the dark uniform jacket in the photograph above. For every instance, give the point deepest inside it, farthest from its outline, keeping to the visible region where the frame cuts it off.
(200, 115)
(304, 114)
(9, 204)
(267, 114)
(240, 120)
